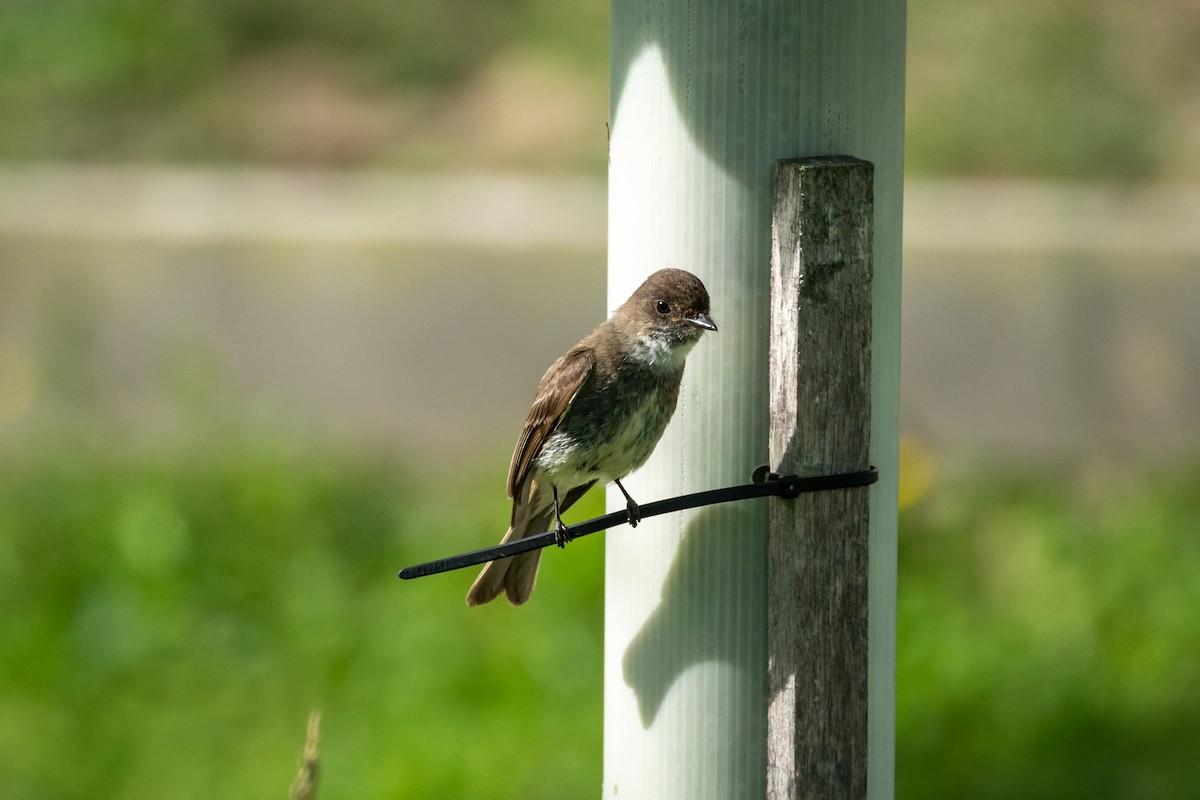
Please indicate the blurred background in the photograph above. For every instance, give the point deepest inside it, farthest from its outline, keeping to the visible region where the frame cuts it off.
(264, 339)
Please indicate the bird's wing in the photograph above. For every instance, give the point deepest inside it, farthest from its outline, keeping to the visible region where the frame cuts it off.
(554, 396)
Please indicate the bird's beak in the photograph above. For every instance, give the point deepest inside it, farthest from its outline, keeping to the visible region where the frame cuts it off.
(702, 321)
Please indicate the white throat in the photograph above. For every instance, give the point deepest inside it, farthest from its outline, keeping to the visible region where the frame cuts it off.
(659, 352)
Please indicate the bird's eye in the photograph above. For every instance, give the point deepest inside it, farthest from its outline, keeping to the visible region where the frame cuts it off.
(663, 307)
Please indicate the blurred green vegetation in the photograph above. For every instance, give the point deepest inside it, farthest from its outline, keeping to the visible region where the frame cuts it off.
(1074, 89)
(169, 620)
(1048, 638)
(187, 80)
(1046, 92)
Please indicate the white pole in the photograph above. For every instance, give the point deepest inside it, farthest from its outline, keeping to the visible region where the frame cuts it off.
(706, 96)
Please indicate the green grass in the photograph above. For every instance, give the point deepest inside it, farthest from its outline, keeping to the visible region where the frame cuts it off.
(169, 620)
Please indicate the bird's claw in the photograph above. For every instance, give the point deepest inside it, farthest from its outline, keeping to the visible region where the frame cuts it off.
(562, 534)
(631, 508)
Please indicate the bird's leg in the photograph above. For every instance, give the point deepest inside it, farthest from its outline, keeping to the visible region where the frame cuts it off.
(561, 534)
(631, 508)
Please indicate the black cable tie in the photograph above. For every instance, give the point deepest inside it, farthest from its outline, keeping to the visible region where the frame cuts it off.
(766, 484)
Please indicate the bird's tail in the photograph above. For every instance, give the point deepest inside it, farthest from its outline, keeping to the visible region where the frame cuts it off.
(515, 575)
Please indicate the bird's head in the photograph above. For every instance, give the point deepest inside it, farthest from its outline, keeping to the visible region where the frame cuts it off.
(666, 315)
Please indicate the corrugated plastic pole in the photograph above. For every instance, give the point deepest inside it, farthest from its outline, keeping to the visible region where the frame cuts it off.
(706, 97)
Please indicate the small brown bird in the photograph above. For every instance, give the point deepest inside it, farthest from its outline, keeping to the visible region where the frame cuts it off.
(598, 413)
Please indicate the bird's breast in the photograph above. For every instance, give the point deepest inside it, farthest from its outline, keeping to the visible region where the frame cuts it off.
(611, 432)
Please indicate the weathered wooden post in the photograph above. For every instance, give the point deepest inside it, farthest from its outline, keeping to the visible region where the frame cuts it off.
(817, 601)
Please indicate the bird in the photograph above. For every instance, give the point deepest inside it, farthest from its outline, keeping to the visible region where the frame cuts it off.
(597, 415)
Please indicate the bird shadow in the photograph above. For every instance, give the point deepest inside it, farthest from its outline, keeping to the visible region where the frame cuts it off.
(712, 609)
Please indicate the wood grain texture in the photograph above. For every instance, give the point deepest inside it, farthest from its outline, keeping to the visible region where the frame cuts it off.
(820, 389)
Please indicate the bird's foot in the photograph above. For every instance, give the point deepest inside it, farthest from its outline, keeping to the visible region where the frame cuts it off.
(631, 508)
(634, 512)
(562, 534)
